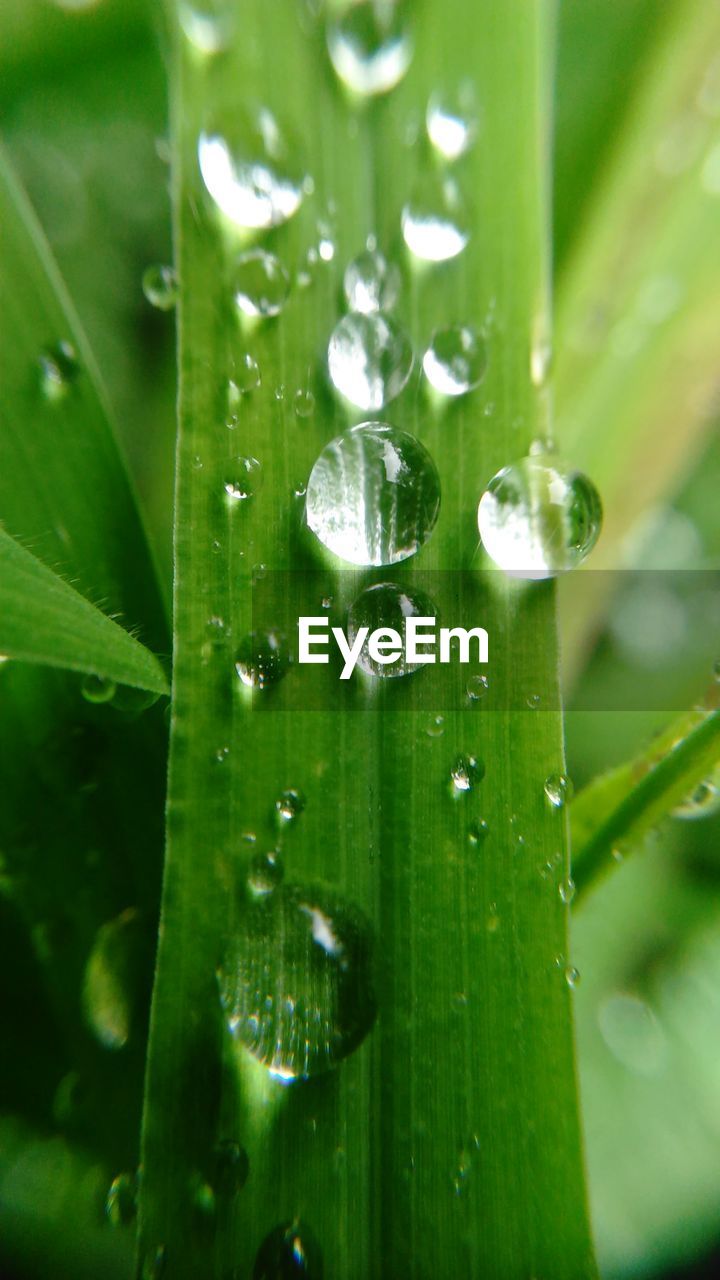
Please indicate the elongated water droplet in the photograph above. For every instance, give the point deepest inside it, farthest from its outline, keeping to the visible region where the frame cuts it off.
(265, 873)
(289, 805)
(566, 889)
(250, 170)
(98, 689)
(451, 120)
(558, 790)
(435, 222)
(572, 975)
(304, 403)
(371, 283)
(373, 495)
(110, 981)
(536, 521)
(59, 370)
(370, 359)
(297, 983)
(153, 1265)
(455, 361)
(388, 606)
(370, 44)
(245, 377)
(121, 1200)
(260, 284)
(261, 660)
(289, 1252)
(160, 286)
(465, 773)
(703, 801)
(242, 478)
(207, 24)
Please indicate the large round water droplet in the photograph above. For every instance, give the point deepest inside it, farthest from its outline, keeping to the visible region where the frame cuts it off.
(435, 222)
(371, 283)
(370, 44)
(370, 359)
(455, 361)
(536, 521)
(260, 284)
(297, 982)
(160, 286)
(261, 659)
(451, 120)
(289, 1252)
(373, 495)
(387, 606)
(250, 171)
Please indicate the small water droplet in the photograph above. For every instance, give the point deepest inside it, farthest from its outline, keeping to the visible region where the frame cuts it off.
(153, 1266)
(370, 359)
(455, 361)
(477, 687)
(121, 1200)
(703, 801)
(59, 370)
(289, 1252)
(435, 727)
(98, 689)
(466, 771)
(370, 45)
(260, 284)
(385, 606)
(250, 170)
(207, 24)
(572, 975)
(160, 286)
(558, 790)
(110, 979)
(289, 805)
(566, 889)
(232, 1167)
(244, 379)
(435, 222)
(533, 701)
(373, 495)
(265, 873)
(304, 403)
(536, 521)
(451, 120)
(221, 754)
(477, 833)
(297, 984)
(371, 283)
(243, 478)
(261, 660)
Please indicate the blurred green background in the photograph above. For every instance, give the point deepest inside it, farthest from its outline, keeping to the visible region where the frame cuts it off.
(83, 115)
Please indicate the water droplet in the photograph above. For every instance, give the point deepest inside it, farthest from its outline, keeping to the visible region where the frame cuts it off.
(232, 1167)
(466, 771)
(261, 659)
(121, 1200)
(110, 979)
(558, 790)
(477, 687)
(265, 873)
(59, 369)
(207, 24)
(435, 727)
(289, 805)
(289, 1252)
(160, 286)
(250, 170)
(387, 607)
(245, 378)
(572, 975)
(435, 223)
(98, 689)
(153, 1266)
(370, 45)
(297, 984)
(304, 403)
(533, 701)
(243, 478)
(451, 120)
(566, 889)
(260, 284)
(703, 801)
(371, 283)
(536, 521)
(455, 361)
(373, 495)
(203, 1197)
(477, 833)
(370, 359)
